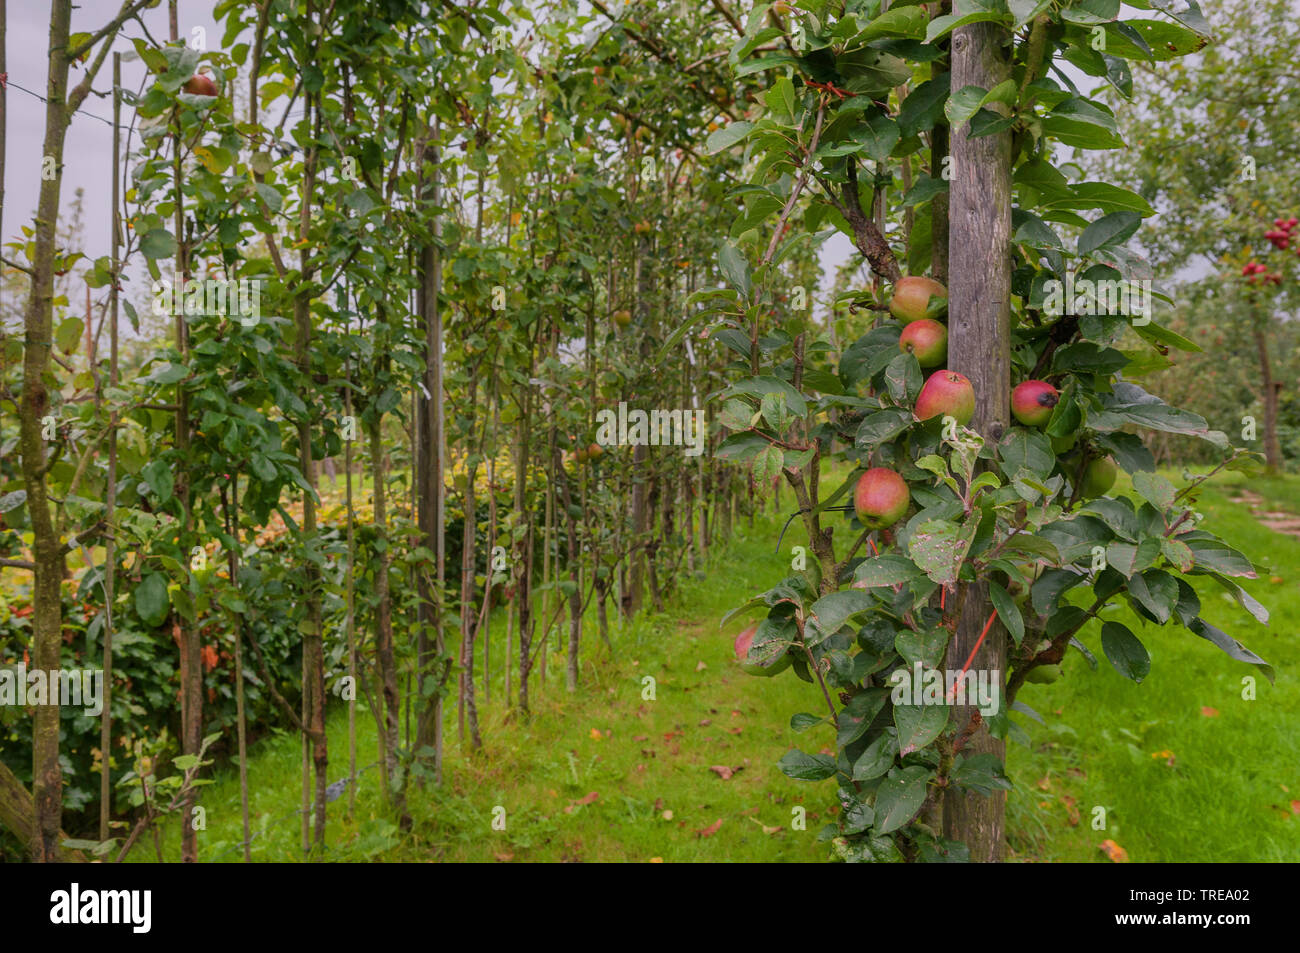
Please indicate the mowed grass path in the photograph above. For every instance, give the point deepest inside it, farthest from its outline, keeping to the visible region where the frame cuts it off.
(649, 763)
(1184, 766)
(607, 775)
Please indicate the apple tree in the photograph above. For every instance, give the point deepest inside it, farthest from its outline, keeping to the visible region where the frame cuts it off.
(991, 544)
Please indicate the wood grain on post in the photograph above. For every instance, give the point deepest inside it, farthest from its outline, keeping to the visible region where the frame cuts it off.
(979, 328)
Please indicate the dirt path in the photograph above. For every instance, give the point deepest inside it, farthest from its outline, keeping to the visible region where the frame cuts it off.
(1279, 521)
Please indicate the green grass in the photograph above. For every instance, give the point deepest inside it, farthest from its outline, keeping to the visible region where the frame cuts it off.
(643, 758)
(1227, 794)
(1225, 797)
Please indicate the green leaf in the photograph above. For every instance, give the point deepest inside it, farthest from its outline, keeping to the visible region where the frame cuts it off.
(1214, 554)
(833, 610)
(1112, 229)
(767, 465)
(1178, 553)
(1231, 646)
(899, 797)
(158, 243)
(885, 570)
(1130, 404)
(735, 415)
(980, 773)
(806, 767)
(876, 759)
(858, 715)
(1155, 489)
(923, 106)
(918, 725)
(803, 721)
(734, 267)
(1008, 612)
(881, 427)
(728, 136)
(926, 647)
(271, 196)
(1028, 229)
(1125, 652)
(1081, 123)
(939, 546)
(1127, 559)
(942, 26)
(1156, 591)
(151, 600)
(964, 103)
(68, 335)
(1047, 589)
(878, 136)
(158, 476)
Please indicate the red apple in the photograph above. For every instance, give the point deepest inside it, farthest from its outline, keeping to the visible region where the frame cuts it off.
(200, 84)
(1032, 402)
(770, 659)
(881, 498)
(916, 297)
(926, 339)
(946, 393)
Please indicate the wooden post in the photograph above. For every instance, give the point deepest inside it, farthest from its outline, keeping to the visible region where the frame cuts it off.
(110, 553)
(979, 327)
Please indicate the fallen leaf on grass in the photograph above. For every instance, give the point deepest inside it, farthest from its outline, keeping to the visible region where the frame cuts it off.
(656, 860)
(505, 857)
(1166, 754)
(1044, 783)
(1295, 807)
(710, 830)
(1209, 712)
(596, 735)
(700, 666)
(667, 815)
(582, 802)
(1112, 850)
(705, 723)
(640, 737)
(724, 772)
(734, 731)
(1072, 808)
(766, 829)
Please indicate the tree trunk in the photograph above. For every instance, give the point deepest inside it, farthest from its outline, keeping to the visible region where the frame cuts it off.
(431, 661)
(395, 790)
(980, 329)
(47, 616)
(18, 813)
(1270, 391)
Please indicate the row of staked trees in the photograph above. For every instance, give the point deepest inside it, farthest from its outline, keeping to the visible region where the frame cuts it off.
(471, 227)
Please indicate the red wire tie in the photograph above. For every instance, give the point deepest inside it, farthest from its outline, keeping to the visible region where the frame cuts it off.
(980, 641)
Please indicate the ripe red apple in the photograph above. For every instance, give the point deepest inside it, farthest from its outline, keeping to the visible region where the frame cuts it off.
(926, 339)
(767, 662)
(916, 297)
(1098, 477)
(946, 393)
(1032, 402)
(881, 498)
(595, 451)
(200, 84)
